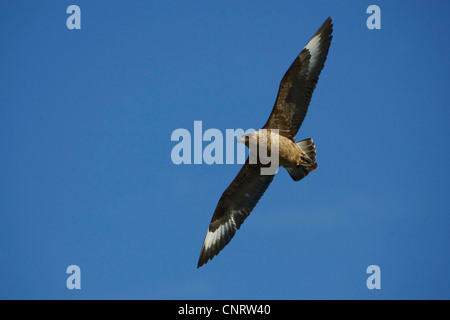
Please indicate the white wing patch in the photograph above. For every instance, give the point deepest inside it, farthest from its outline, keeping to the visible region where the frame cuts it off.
(214, 237)
(313, 47)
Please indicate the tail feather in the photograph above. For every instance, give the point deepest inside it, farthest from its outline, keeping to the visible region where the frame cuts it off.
(300, 172)
(308, 147)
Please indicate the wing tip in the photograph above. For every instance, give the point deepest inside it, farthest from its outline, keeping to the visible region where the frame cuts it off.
(202, 260)
(206, 255)
(216, 240)
(326, 28)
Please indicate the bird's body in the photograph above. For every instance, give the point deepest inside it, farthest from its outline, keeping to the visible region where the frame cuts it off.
(276, 137)
(289, 153)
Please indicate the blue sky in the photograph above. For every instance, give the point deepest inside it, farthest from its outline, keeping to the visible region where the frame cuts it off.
(86, 176)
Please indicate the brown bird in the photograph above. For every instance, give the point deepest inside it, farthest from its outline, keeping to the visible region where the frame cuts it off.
(299, 158)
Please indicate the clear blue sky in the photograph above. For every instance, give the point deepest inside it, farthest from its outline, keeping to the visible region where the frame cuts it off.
(86, 176)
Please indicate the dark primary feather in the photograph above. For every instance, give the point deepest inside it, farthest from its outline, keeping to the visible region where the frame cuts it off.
(298, 84)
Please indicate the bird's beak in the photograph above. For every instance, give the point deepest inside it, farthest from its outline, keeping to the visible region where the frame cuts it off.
(241, 139)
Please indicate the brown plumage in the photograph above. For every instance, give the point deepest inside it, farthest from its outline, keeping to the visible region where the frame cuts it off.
(299, 158)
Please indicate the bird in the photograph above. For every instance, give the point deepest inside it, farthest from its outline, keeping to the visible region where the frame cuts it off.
(299, 158)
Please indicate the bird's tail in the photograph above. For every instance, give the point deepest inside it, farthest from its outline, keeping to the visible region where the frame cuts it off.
(299, 172)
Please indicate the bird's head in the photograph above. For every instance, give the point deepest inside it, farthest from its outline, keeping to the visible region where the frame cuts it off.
(248, 138)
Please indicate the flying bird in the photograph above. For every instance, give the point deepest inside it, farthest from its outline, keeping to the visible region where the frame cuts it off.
(299, 158)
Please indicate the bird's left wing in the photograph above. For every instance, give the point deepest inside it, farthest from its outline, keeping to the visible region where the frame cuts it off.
(234, 206)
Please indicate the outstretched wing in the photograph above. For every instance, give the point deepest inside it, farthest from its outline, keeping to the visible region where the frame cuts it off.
(234, 206)
(298, 84)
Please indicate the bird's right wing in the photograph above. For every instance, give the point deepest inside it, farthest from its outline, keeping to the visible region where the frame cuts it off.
(234, 206)
(298, 84)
